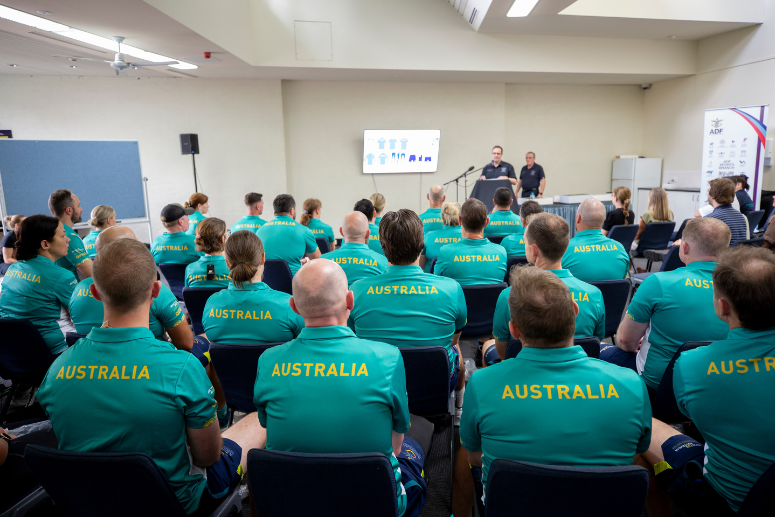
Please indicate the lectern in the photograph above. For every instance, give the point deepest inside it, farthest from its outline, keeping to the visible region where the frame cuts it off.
(484, 191)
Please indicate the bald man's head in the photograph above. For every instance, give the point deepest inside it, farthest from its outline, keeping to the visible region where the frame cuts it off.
(436, 196)
(592, 215)
(113, 234)
(320, 291)
(354, 227)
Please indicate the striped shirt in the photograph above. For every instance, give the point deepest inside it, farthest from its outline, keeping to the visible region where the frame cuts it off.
(736, 221)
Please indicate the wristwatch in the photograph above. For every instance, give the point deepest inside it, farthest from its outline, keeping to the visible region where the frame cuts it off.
(5, 436)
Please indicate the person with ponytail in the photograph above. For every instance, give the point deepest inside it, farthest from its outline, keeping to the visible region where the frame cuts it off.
(102, 218)
(199, 203)
(8, 243)
(210, 270)
(621, 214)
(249, 312)
(310, 218)
(450, 233)
(35, 288)
(741, 186)
(378, 200)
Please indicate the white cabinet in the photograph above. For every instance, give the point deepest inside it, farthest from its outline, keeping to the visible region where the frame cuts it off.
(683, 204)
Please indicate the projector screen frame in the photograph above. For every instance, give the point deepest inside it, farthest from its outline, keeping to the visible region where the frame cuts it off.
(404, 156)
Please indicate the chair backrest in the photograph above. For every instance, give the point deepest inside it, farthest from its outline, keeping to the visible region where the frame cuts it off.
(496, 239)
(754, 218)
(433, 265)
(78, 484)
(296, 483)
(757, 242)
(24, 356)
(760, 501)
(427, 379)
(176, 277)
(624, 233)
(534, 489)
(656, 236)
(664, 406)
(672, 260)
(591, 346)
(196, 299)
(480, 302)
(513, 261)
(322, 245)
(615, 296)
(677, 235)
(277, 275)
(73, 337)
(237, 369)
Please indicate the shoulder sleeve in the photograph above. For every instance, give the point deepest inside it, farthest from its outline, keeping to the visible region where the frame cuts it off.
(609, 221)
(647, 217)
(310, 243)
(399, 402)
(646, 300)
(500, 322)
(64, 287)
(208, 307)
(194, 394)
(541, 174)
(645, 418)
(382, 263)
(440, 266)
(6, 242)
(511, 172)
(462, 310)
(600, 324)
(76, 252)
(169, 312)
(330, 234)
(189, 272)
(679, 385)
(295, 322)
(469, 421)
(258, 400)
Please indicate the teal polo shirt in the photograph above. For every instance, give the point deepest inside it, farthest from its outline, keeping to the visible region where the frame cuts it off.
(377, 220)
(329, 392)
(679, 306)
(358, 261)
(514, 245)
(90, 243)
(406, 307)
(175, 248)
(591, 256)
(374, 243)
(503, 223)
(431, 220)
(39, 291)
(76, 252)
(321, 230)
(472, 262)
(287, 240)
(123, 390)
(437, 239)
(255, 314)
(556, 406)
(728, 389)
(196, 272)
(193, 220)
(250, 223)
(88, 313)
(590, 320)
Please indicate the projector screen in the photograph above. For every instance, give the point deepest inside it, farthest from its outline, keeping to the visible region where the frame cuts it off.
(400, 150)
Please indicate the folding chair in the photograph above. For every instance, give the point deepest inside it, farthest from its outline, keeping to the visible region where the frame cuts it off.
(679, 233)
(496, 239)
(656, 236)
(760, 501)
(616, 294)
(480, 301)
(624, 233)
(664, 406)
(591, 346)
(513, 261)
(322, 245)
(754, 218)
(176, 277)
(73, 337)
(277, 275)
(433, 265)
(196, 299)
(670, 262)
(427, 379)
(756, 242)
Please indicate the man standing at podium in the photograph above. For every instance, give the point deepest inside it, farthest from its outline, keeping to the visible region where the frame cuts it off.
(532, 178)
(498, 170)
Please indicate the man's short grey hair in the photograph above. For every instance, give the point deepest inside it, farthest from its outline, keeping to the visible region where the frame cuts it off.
(320, 289)
(592, 212)
(354, 226)
(437, 193)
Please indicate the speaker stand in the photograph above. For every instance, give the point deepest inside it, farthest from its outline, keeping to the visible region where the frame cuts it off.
(193, 161)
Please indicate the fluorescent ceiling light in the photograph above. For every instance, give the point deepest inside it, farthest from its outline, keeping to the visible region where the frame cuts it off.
(521, 8)
(86, 37)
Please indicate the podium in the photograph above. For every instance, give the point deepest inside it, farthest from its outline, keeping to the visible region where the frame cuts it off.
(484, 191)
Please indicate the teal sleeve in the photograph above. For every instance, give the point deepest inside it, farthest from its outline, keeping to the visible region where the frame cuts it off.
(679, 386)
(600, 325)
(154, 251)
(64, 288)
(462, 310)
(645, 439)
(439, 268)
(330, 234)
(382, 263)
(399, 402)
(258, 401)
(76, 252)
(206, 319)
(500, 322)
(646, 300)
(296, 323)
(194, 394)
(188, 274)
(311, 245)
(168, 310)
(469, 421)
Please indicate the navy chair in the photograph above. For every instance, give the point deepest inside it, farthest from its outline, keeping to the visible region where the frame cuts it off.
(427, 379)
(757, 242)
(277, 275)
(656, 236)
(433, 265)
(73, 337)
(24, 357)
(679, 233)
(624, 233)
(591, 346)
(496, 239)
(754, 218)
(78, 484)
(480, 301)
(176, 277)
(196, 299)
(664, 406)
(516, 488)
(616, 294)
(276, 478)
(322, 245)
(760, 501)
(513, 261)
(671, 262)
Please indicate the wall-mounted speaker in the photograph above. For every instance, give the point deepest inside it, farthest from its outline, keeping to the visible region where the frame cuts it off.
(189, 144)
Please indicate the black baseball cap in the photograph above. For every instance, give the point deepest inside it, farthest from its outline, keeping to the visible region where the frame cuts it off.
(173, 212)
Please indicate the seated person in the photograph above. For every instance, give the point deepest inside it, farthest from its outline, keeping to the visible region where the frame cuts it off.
(249, 311)
(500, 420)
(311, 219)
(431, 218)
(143, 395)
(65, 206)
(354, 256)
(102, 218)
(285, 239)
(769, 235)
(198, 202)
(658, 212)
(621, 215)
(591, 256)
(365, 207)
(743, 199)
(503, 221)
(34, 288)
(371, 411)
(450, 233)
(12, 223)
(165, 314)
(210, 270)
(720, 196)
(406, 307)
(515, 244)
(378, 200)
(252, 222)
(725, 388)
(175, 245)
(16, 478)
(546, 239)
(673, 307)
(474, 260)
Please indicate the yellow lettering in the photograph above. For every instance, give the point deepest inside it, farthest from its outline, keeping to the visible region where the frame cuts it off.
(296, 369)
(404, 290)
(562, 390)
(61, 374)
(612, 391)
(362, 370)
(743, 366)
(724, 369)
(536, 391)
(276, 371)
(688, 282)
(507, 392)
(144, 373)
(518, 393)
(123, 373)
(370, 291)
(308, 366)
(712, 369)
(578, 393)
(134, 371)
(756, 363)
(549, 389)
(68, 373)
(602, 392)
(91, 371)
(320, 369)
(589, 393)
(332, 370)
(268, 316)
(103, 373)
(433, 290)
(769, 361)
(342, 373)
(81, 372)
(288, 371)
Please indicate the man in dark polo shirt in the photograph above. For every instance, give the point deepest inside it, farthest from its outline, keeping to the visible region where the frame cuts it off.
(498, 170)
(532, 178)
